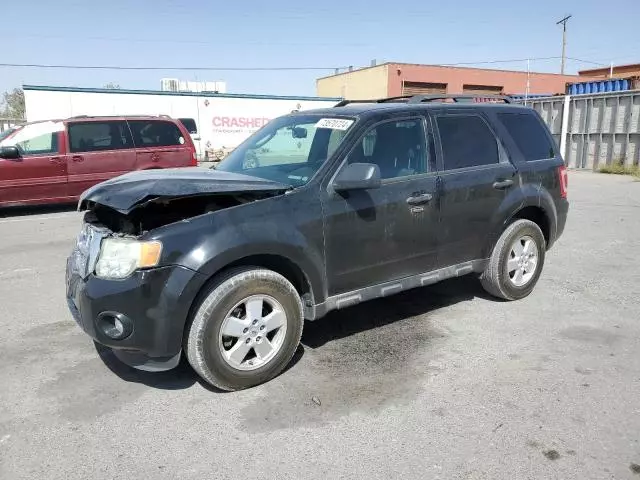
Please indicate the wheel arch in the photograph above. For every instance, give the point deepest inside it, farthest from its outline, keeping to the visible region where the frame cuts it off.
(278, 263)
(536, 209)
(537, 215)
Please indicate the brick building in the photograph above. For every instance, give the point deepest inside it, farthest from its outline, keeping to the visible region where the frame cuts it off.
(392, 79)
(619, 71)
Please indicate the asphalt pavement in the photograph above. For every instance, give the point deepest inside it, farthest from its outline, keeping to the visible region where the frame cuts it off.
(437, 383)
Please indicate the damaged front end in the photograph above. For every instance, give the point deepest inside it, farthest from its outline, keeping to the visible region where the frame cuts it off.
(120, 289)
(139, 202)
(161, 211)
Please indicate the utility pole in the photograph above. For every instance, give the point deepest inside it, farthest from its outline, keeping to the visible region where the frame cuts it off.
(564, 40)
(526, 93)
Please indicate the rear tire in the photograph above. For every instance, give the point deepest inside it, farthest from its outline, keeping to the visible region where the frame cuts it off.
(516, 261)
(245, 329)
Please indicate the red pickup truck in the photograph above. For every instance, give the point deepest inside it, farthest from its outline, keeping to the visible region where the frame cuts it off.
(55, 161)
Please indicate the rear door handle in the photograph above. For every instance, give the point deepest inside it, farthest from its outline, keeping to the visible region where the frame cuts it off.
(56, 160)
(420, 199)
(500, 184)
(155, 157)
(77, 158)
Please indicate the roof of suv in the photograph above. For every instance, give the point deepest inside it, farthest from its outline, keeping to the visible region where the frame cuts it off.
(119, 117)
(91, 118)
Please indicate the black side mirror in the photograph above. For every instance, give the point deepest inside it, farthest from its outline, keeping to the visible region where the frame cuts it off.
(9, 153)
(358, 176)
(299, 132)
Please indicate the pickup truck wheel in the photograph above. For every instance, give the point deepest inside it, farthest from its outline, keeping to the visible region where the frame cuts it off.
(245, 329)
(516, 261)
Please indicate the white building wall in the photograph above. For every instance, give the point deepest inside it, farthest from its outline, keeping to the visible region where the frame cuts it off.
(223, 121)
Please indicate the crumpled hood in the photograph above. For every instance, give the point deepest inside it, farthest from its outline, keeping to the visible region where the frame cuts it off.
(124, 193)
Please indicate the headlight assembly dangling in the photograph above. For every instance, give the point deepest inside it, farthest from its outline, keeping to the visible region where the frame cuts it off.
(120, 257)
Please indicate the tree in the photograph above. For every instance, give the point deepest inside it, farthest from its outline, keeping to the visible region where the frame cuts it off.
(13, 104)
(112, 86)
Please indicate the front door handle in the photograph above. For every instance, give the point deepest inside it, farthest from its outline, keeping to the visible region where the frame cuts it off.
(77, 158)
(500, 184)
(420, 199)
(56, 160)
(155, 157)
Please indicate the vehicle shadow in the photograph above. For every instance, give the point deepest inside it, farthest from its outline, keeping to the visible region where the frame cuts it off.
(179, 378)
(335, 326)
(378, 313)
(25, 211)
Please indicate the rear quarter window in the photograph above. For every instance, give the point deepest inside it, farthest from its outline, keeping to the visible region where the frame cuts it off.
(189, 124)
(529, 135)
(156, 133)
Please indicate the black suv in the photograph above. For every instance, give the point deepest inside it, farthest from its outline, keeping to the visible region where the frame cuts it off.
(317, 211)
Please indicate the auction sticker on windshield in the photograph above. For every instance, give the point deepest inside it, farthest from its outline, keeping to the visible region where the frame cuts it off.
(334, 123)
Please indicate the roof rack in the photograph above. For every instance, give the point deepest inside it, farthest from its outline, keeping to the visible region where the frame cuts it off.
(147, 115)
(377, 100)
(342, 103)
(456, 97)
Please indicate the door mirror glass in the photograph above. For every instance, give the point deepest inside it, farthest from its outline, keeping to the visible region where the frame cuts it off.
(299, 132)
(9, 153)
(358, 176)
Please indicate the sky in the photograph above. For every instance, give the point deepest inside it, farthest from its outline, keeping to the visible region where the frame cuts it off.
(321, 35)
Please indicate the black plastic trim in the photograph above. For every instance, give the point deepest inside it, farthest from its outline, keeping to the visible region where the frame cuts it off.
(355, 297)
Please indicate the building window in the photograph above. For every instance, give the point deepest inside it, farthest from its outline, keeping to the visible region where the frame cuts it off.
(483, 89)
(423, 88)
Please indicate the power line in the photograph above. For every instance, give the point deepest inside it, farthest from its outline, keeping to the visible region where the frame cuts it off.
(588, 61)
(118, 67)
(190, 42)
(488, 62)
(266, 69)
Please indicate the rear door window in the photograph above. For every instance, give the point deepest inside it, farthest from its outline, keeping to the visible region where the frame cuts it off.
(467, 141)
(529, 135)
(99, 136)
(155, 133)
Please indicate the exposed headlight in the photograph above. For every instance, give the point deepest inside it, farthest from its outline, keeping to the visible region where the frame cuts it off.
(120, 257)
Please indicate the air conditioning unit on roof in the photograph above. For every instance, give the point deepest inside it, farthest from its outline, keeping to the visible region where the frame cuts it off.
(169, 84)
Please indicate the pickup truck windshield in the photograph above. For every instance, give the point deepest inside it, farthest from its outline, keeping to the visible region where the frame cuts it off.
(289, 149)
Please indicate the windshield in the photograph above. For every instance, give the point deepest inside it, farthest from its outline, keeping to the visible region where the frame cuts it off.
(290, 149)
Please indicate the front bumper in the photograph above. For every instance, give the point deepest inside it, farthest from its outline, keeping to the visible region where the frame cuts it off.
(153, 305)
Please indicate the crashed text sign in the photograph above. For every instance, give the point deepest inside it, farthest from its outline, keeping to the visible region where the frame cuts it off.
(240, 122)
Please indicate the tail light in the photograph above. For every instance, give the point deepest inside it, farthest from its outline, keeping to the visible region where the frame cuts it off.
(194, 158)
(564, 181)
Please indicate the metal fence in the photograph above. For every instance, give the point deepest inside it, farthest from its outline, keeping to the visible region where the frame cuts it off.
(596, 129)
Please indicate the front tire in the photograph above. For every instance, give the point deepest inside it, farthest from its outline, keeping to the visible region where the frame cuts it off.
(245, 329)
(516, 261)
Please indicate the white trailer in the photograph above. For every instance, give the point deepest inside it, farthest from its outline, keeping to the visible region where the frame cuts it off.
(223, 120)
